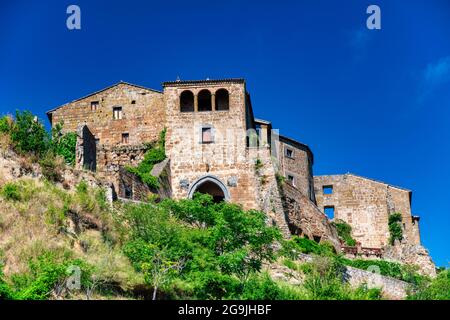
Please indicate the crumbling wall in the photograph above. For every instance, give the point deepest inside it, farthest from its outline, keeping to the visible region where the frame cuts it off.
(305, 218)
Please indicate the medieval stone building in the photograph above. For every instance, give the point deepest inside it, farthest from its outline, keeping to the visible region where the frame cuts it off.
(215, 145)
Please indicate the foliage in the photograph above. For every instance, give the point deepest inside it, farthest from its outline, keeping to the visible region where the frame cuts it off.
(436, 289)
(154, 155)
(395, 227)
(64, 144)
(344, 231)
(210, 238)
(11, 191)
(5, 124)
(28, 134)
(258, 164)
(293, 247)
(47, 275)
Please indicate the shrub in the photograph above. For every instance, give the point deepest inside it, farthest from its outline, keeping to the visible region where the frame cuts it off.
(46, 272)
(5, 124)
(395, 227)
(154, 155)
(344, 231)
(436, 289)
(64, 145)
(28, 134)
(11, 192)
(293, 247)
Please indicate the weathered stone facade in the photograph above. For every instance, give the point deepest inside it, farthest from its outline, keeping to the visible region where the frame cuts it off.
(215, 145)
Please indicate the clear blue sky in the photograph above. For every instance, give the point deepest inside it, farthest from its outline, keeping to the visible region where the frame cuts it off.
(375, 103)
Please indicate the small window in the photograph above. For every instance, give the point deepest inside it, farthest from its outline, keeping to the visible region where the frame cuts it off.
(125, 138)
(327, 189)
(289, 153)
(94, 105)
(207, 136)
(117, 112)
(329, 211)
(133, 101)
(291, 179)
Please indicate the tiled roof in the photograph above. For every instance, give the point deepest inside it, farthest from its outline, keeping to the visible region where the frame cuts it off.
(207, 81)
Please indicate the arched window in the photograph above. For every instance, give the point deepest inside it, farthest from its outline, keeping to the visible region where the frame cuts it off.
(222, 100)
(204, 100)
(187, 101)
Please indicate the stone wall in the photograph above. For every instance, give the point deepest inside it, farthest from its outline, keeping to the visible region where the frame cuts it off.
(226, 159)
(306, 219)
(365, 204)
(143, 114)
(299, 164)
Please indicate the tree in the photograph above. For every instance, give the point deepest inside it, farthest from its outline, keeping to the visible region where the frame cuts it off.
(28, 134)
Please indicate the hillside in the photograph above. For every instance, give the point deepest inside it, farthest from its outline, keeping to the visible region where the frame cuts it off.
(60, 238)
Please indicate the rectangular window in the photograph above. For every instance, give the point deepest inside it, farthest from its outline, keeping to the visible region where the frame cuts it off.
(291, 179)
(289, 153)
(125, 138)
(329, 211)
(94, 105)
(327, 189)
(117, 112)
(207, 136)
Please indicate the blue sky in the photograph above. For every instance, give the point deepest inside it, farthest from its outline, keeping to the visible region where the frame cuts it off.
(370, 102)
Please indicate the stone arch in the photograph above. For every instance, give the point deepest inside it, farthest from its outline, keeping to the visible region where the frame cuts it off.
(222, 100)
(187, 101)
(210, 185)
(204, 100)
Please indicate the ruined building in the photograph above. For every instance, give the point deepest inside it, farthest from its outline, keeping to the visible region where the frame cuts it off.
(215, 145)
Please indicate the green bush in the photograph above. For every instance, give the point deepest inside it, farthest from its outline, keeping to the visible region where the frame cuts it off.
(64, 145)
(28, 134)
(5, 124)
(154, 155)
(293, 247)
(436, 289)
(11, 192)
(46, 272)
(395, 227)
(344, 231)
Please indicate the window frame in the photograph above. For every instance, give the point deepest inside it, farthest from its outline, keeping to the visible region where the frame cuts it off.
(120, 113)
(286, 149)
(95, 105)
(327, 187)
(329, 207)
(125, 138)
(207, 127)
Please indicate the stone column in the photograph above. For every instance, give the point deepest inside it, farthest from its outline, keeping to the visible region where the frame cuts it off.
(213, 102)
(195, 102)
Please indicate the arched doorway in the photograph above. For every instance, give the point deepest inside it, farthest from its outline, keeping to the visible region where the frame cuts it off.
(210, 185)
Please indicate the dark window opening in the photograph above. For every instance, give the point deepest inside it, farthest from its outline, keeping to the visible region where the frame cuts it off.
(125, 138)
(128, 192)
(317, 238)
(329, 211)
(290, 179)
(327, 189)
(133, 101)
(187, 101)
(204, 100)
(289, 153)
(94, 105)
(222, 100)
(117, 113)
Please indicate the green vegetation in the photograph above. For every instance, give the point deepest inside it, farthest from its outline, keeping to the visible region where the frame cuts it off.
(64, 145)
(28, 134)
(5, 124)
(345, 232)
(435, 289)
(11, 192)
(395, 227)
(154, 155)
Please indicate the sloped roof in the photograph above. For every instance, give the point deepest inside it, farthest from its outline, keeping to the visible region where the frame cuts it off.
(102, 90)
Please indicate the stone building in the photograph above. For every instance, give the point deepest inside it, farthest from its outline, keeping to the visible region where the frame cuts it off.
(215, 145)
